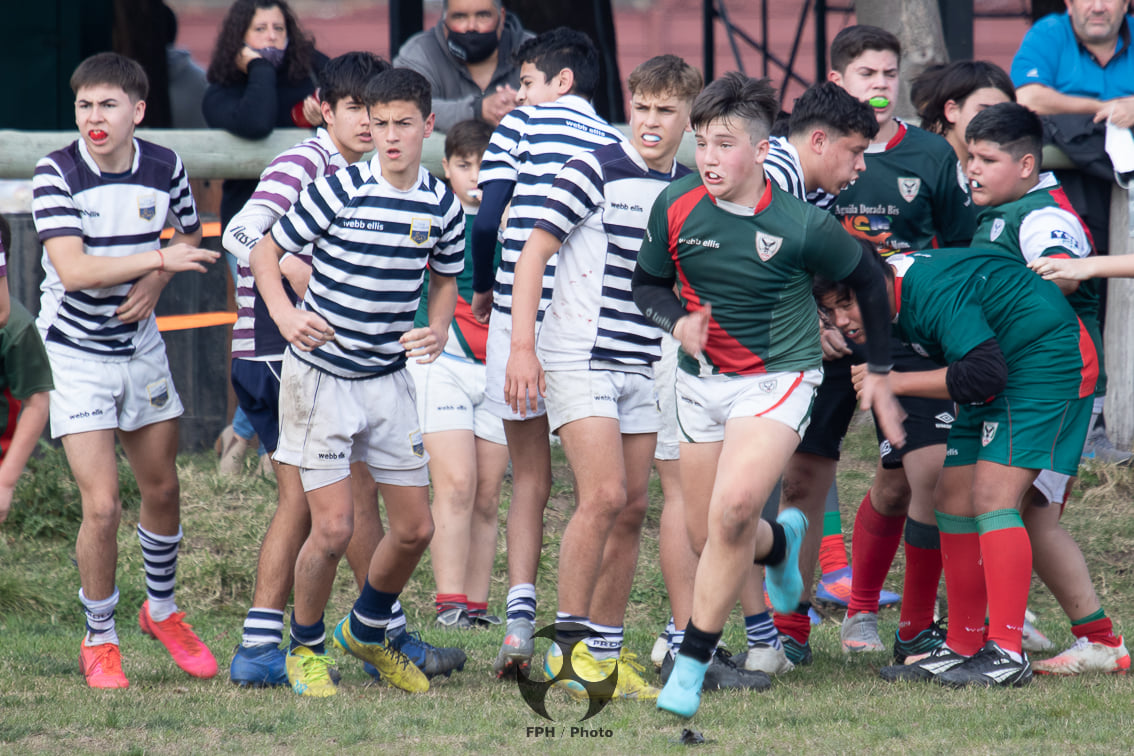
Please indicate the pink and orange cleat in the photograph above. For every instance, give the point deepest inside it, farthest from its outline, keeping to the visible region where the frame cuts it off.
(187, 650)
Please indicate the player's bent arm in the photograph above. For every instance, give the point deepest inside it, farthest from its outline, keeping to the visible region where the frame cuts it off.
(1047, 101)
(930, 384)
(655, 297)
(29, 427)
(494, 198)
(869, 286)
(246, 229)
(978, 376)
(303, 330)
(527, 286)
(77, 270)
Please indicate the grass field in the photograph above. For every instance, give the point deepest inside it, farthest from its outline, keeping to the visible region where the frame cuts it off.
(836, 705)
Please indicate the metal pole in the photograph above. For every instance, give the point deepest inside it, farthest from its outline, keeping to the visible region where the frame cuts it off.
(406, 19)
(957, 26)
(820, 40)
(707, 43)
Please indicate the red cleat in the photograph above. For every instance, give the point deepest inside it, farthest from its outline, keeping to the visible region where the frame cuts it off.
(180, 641)
(102, 666)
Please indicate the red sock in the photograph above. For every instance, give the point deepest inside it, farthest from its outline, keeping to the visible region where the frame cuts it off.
(1007, 555)
(446, 601)
(964, 583)
(873, 546)
(1097, 631)
(796, 625)
(832, 553)
(919, 591)
(478, 608)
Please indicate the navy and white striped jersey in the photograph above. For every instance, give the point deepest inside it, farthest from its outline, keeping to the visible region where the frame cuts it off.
(530, 147)
(116, 215)
(598, 207)
(255, 335)
(782, 166)
(371, 245)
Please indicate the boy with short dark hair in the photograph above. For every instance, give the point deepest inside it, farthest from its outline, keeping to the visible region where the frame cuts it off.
(1026, 213)
(25, 380)
(99, 207)
(558, 73)
(741, 252)
(375, 227)
(468, 453)
(258, 352)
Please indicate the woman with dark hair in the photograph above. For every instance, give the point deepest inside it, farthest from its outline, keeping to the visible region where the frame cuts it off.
(948, 96)
(262, 76)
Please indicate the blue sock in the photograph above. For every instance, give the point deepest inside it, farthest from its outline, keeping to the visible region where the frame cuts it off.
(371, 614)
(761, 629)
(311, 636)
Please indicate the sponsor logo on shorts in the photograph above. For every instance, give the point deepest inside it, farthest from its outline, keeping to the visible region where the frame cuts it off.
(603, 397)
(997, 229)
(767, 245)
(687, 400)
(884, 448)
(417, 444)
(158, 393)
(147, 206)
(944, 421)
(453, 408)
(908, 187)
(83, 414)
(419, 230)
(951, 451)
(988, 432)
(331, 455)
(768, 386)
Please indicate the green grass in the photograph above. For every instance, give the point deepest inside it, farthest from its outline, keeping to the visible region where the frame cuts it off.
(837, 705)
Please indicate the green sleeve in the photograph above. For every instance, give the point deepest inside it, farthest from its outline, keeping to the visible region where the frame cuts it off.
(829, 250)
(954, 322)
(654, 257)
(25, 367)
(954, 212)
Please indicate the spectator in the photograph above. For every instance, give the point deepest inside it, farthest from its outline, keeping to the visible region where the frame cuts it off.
(467, 58)
(187, 82)
(948, 96)
(262, 76)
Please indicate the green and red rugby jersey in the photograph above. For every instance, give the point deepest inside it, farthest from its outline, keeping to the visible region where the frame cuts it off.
(1042, 223)
(913, 195)
(951, 300)
(754, 269)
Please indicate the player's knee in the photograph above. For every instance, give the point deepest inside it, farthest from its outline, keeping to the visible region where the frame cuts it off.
(332, 535)
(414, 537)
(736, 520)
(890, 496)
(102, 514)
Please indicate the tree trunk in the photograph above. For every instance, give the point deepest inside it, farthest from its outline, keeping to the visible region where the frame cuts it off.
(917, 23)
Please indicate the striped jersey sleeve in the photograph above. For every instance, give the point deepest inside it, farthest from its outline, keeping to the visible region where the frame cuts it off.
(372, 244)
(782, 166)
(255, 335)
(115, 216)
(599, 206)
(530, 147)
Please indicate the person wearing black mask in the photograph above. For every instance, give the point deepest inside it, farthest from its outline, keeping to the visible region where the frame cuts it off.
(467, 58)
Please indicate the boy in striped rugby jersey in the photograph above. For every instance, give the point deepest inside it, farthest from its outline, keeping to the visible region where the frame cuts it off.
(99, 207)
(346, 396)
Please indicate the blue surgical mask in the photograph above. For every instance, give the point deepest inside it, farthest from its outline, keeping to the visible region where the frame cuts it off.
(273, 55)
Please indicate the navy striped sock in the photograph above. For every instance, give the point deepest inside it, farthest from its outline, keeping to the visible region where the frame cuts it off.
(159, 556)
(263, 626)
(311, 636)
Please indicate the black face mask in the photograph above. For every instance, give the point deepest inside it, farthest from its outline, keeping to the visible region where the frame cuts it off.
(472, 46)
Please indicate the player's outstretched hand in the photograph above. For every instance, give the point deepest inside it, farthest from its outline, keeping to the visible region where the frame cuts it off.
(481, 305)
(874, 393)
(181, 257)
(422, 343)
(304, 330)
(693, 330)
(523, 379)
(1060, 267)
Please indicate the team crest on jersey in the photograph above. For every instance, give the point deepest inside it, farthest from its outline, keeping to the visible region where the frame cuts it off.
(417, 444)
(768, 386)
(158, 393)
(988, 432)
(997, 229)
(419, 230)
(147, 206)
(767, 245)
(908, 187)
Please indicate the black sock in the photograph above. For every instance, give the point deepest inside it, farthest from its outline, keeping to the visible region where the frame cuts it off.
(779, 546)
(698, 644)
